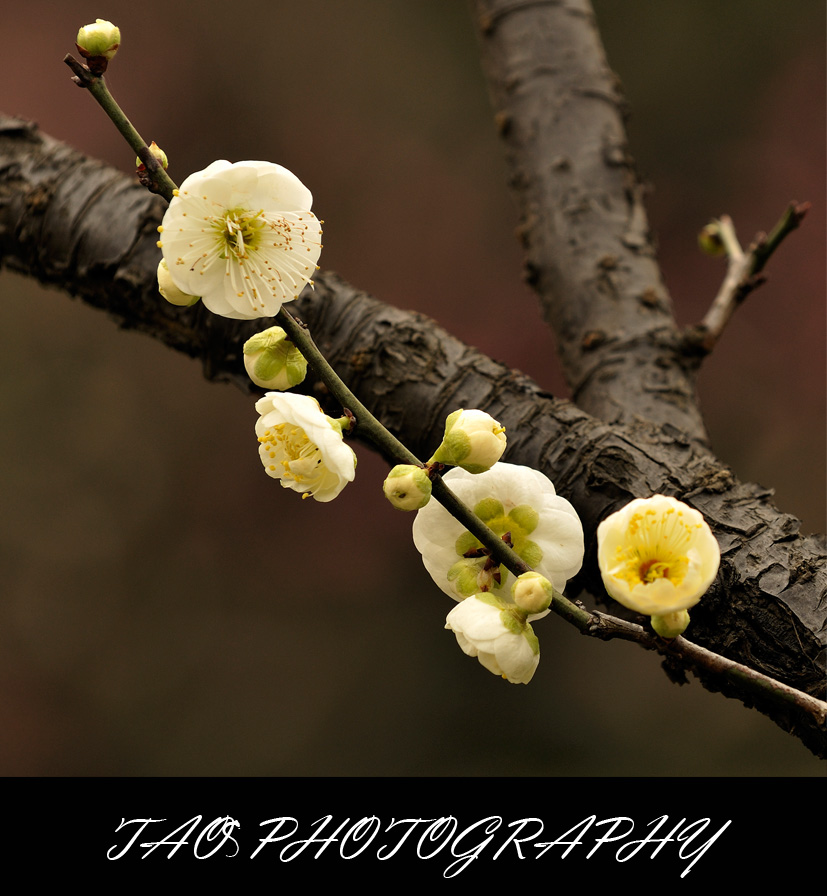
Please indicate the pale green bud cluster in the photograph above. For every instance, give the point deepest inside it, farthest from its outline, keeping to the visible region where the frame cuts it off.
(473, 440)
(532, 592)
(169, 290)
(99, 40)
(670, 625)
(272, 361)
(157, 153)
(407, 487)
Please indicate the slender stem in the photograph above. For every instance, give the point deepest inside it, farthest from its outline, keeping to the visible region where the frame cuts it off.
(97, 87)
(367, 424)
(370, 427)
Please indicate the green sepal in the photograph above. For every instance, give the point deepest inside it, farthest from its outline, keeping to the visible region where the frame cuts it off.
(269, 338)
(454, 448)
(489, 509)
(464, 575)
(526, 517)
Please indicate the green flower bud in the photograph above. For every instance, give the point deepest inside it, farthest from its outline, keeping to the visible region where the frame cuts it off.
(670, 625)
(98, 43)
(407, 487)
(157, 153)
(709, 239)
(169, 290)
(532, 592)
(473, 440)
(273, 362)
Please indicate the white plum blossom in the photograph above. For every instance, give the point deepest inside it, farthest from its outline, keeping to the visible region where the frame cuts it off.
(242, 237)
(500, 639)
(302, 447)
(657, 556)
(544, 528)
(473, 440)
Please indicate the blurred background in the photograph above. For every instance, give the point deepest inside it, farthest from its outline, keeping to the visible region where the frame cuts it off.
(166, 608)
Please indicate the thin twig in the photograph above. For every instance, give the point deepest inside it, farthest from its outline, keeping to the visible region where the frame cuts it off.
(743, 275)
(695, 657)
(161, 183)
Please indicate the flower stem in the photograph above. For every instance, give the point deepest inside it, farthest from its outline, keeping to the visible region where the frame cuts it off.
(369, 426)
(96, 85)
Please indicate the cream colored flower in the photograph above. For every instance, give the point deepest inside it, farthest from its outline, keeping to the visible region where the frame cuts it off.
(544, 528)
(657, 555)
(242, 236)
(473, 440)
(303, 447)
(498, 638)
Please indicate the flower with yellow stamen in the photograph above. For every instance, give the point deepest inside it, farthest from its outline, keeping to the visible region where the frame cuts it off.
(302, 447)
(657, 556)
(242, 237)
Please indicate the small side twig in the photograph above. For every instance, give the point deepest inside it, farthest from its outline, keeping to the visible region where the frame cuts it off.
(742, 277)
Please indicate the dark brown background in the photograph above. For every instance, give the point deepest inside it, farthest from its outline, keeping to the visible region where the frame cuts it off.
(166, 608)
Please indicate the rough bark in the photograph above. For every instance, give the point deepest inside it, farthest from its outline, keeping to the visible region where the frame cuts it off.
(588, 252)
(75, 223)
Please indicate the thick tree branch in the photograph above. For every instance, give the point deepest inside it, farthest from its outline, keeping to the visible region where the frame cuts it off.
(583, 226)
(78, 224)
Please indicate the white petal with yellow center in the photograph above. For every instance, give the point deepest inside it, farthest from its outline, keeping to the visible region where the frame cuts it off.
(302, 447)
(544, 527)
(242, 236)
(657, 555)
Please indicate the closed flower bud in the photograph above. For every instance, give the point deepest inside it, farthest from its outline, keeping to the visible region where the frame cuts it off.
(407, 487)
(473, 440)
(532, 592)
(670, 625)
(156, 153)
(98, 43)
(272, 361)
(169, 290)
(709, 239)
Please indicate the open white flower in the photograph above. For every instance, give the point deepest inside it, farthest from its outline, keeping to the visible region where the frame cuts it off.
(545, 531)
(242, 237)
(303, 447)
(503, 643)
(657, 555)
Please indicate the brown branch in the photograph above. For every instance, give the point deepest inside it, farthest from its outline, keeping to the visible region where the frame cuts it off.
(708, 666)
(75, 223)
(583, 226)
